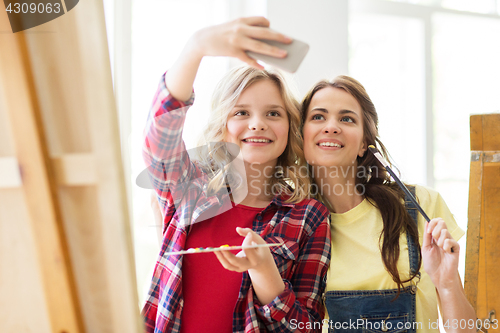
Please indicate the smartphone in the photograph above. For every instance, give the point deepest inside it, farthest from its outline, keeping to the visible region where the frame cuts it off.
(296, 52)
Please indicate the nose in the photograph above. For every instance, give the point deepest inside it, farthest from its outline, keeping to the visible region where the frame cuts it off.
(257, 124)
(332, 127)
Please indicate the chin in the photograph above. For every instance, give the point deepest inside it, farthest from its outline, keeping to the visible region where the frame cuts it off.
(325, 163)
(261, 161)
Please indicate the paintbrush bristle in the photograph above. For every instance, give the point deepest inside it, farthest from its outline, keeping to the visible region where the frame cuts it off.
(373, 149)
(377, 154)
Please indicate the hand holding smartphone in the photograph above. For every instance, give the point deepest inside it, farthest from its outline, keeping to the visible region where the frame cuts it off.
(296, 52)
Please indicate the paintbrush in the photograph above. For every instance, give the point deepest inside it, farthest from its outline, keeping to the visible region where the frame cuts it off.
(382, 160)
(222, 248)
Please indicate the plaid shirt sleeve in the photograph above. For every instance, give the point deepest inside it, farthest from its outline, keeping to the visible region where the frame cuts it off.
(164, 152)
(299, 308)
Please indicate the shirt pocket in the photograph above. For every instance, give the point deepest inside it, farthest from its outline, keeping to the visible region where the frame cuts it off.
(284, 255)
(392, 323)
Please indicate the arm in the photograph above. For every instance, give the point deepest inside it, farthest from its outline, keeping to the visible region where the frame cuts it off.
(298, 306)
(306, 285)
(229, 39)
(442, 266)
(163, 149)
(259, 262)
(163, 140)
(158, 217)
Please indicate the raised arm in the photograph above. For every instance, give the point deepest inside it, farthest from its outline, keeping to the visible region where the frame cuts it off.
(230, 39)
(164, 152)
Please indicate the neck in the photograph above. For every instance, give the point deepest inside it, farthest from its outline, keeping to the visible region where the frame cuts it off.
(256, 191)
(337, 187)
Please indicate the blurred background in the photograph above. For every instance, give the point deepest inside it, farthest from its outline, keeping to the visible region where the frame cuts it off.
(427, 65)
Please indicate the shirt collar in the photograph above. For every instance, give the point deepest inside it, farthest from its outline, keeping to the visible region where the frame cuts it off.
(280, 201)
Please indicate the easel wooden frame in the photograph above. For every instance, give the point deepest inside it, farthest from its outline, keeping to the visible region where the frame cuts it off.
(62, 188)
(482, 270)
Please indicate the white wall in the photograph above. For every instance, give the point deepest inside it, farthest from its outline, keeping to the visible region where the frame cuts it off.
(323, 25)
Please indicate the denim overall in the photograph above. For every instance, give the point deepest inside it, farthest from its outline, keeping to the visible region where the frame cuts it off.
(357, 311)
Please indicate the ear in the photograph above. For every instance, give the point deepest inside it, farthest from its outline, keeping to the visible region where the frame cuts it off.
(362, 149)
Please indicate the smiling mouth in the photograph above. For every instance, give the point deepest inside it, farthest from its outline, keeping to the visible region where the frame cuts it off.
(257, 140)
(330, 144)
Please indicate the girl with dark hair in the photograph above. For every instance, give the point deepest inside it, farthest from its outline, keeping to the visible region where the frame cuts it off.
(390, 269)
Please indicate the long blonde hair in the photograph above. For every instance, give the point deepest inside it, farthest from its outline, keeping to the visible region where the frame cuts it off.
(214, 156)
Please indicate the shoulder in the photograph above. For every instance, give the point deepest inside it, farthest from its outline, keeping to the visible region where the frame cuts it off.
(434, 205)
(311, 212)
(426, 193)
(428, 198)
(312, 206)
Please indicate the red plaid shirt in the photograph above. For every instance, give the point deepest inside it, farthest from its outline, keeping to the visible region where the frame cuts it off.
(181, 188)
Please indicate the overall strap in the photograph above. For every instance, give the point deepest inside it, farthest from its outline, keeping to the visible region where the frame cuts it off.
(412, 248)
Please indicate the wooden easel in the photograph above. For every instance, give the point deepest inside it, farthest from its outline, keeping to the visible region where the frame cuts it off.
(66, 256)
(482, 269)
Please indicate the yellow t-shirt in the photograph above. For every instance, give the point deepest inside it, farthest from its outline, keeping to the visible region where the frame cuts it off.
(357, 264)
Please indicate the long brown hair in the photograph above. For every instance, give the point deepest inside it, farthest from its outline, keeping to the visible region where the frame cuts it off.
(378, 187)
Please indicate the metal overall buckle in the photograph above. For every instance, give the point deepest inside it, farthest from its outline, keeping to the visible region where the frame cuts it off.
(413, 287)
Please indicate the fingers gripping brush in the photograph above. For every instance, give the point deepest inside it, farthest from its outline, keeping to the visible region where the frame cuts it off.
(379, 157)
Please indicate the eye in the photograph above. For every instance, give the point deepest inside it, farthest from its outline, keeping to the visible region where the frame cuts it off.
(241, 113)
(274, 114)
(347, 119)
(317, 116)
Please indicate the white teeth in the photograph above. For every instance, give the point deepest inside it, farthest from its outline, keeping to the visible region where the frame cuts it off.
(330, 144)
(257, 140)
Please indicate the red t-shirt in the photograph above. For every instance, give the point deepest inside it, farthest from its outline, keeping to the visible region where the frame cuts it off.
(210, 291)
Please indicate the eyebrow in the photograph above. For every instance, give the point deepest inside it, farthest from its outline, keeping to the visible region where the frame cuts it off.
(340, 112)
(270, 106)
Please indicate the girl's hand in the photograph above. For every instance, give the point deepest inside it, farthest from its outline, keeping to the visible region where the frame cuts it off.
(234, 38)
(259, 262)
(247, 259)
(230, 39)
(440, 253)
